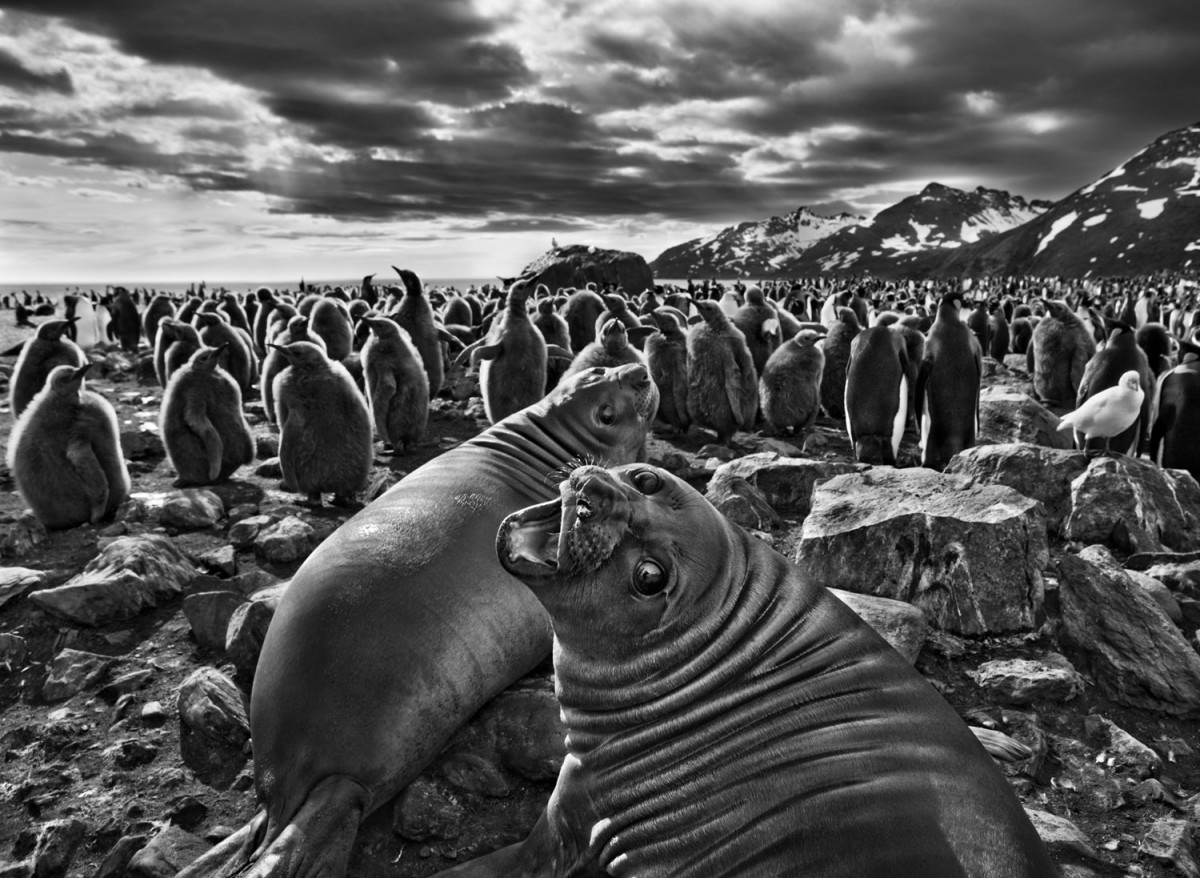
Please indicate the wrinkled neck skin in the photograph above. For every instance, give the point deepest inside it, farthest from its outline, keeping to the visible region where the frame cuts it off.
(543, 445)
(609, 687)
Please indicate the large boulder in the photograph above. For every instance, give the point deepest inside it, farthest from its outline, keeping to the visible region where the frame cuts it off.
(129, 575)
(579, 264)
(1137, 655)
(1130, 505)
(902, 625)
(969, 556)
(1007, 415)
(1038, 472)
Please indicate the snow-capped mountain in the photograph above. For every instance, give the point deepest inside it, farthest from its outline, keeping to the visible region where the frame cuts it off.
(751, 249)
(1143, 216)
(905, 236)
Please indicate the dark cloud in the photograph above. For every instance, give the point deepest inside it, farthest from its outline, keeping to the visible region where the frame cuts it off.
(183, 108)
(17, 76)
(526, 224)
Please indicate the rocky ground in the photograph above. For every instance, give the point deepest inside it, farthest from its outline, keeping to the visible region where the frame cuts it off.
(124, 747)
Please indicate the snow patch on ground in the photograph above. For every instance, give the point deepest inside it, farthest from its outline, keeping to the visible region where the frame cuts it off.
(1056, 227)
(1095, 220)
(1152, 209)
(1115, 172)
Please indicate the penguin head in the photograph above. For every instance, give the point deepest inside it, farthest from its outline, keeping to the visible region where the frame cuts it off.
(614, 336)
(613, 302)
(807, 338)
(67, 379)
(1131, 381)
(755, 296)
(847, 316)
(52, 330)
(412, 283)
(207, 359)
(208, 318)
(670, 320)
(383, 327)
(545, 306)
(1115, 328)
(711, 312)
(302, 353)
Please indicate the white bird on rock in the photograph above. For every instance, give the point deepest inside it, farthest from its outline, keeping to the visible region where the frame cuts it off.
(1111, 411)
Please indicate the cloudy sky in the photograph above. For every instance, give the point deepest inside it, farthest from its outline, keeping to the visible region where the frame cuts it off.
(261, 139)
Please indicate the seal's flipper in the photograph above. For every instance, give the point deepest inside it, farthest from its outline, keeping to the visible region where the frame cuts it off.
(535, 857)
(315, 843)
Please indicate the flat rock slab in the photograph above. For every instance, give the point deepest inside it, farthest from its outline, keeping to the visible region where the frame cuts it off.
(1132, 506)
(71, 672)
(786, 482)
(1026, 681)
(1137, 655)
(1043, 474)
(129, 575)
(969, 556)
(15, 581)
(1007, 415)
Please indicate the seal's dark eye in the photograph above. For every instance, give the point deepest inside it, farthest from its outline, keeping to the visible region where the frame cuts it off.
(649, 578)
(647, 481)
(607, 414)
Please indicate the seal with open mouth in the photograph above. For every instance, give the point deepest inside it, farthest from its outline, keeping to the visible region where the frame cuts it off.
(727, 716)
(401, 625)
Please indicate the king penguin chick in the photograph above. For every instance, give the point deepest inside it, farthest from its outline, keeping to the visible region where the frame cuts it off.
(325, 442)
(201, 422)
(666, 358)
(836, 347)
(722, 384)
(760, 325)
(39, 355)
(790, 387)
(1109, 412)
(397, 386)
(65, 453)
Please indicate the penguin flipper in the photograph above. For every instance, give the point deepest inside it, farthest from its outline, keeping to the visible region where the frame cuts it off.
(467, 354)
(558, 352)
(486, 352)
(82, 458)
(196, 417)
(451, 339)
(919, 396)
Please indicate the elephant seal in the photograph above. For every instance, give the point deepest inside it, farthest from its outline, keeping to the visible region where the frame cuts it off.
(726, 716)
(402, 624)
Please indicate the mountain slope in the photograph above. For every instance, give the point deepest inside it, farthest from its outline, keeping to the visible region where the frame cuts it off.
(750, 248)
(1141, 217)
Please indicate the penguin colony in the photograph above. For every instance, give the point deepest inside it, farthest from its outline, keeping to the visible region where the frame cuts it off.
(341, 369)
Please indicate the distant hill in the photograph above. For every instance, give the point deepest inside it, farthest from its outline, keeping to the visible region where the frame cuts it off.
(751, 249)
(913, 233)
(1143, 216)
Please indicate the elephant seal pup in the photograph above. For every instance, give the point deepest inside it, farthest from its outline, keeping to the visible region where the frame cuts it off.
(726, 716)
(402, 624)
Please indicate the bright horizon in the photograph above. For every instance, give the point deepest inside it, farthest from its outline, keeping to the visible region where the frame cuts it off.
(225, 142)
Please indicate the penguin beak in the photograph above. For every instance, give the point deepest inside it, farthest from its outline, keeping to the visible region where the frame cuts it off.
(81, 371)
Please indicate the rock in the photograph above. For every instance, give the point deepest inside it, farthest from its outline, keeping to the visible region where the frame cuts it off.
(208, 613)
(1161, 594)
(285, 541)
(15, 581)
(257, 583)
(1130, 505)
(576, 265)
(13, 650)
(20, 538)
(246, 631)
(142, 443)
(71, 672)
(1170, 840)
(786, 482)
(167, 853)
(269, 469)
(144, 507)
(902, 625)
(124, 684)
(1008, 416)
(266, 446)
(153, 712)
(1061, 837)
(129, 575)
(214, 727)
(57, 843)
(460, 382)
(742, 503)
(1043, 474)
(236, 492)
(243, 533)
(968, 556)
(116, 862)
(423, 811)
(1125, 751)
(381, 482)
(1181, 577)
(1187, 494)
(529, 734)
(222, 561)
(1137, 655)
(1025, 681)
(192, 509)
(131, 753)
(474, 774)
(187, 812)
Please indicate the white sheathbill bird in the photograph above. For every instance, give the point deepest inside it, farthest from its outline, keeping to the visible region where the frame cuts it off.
(1111, 411)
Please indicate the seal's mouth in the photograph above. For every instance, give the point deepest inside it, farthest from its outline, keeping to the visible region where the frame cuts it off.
(575, 534)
